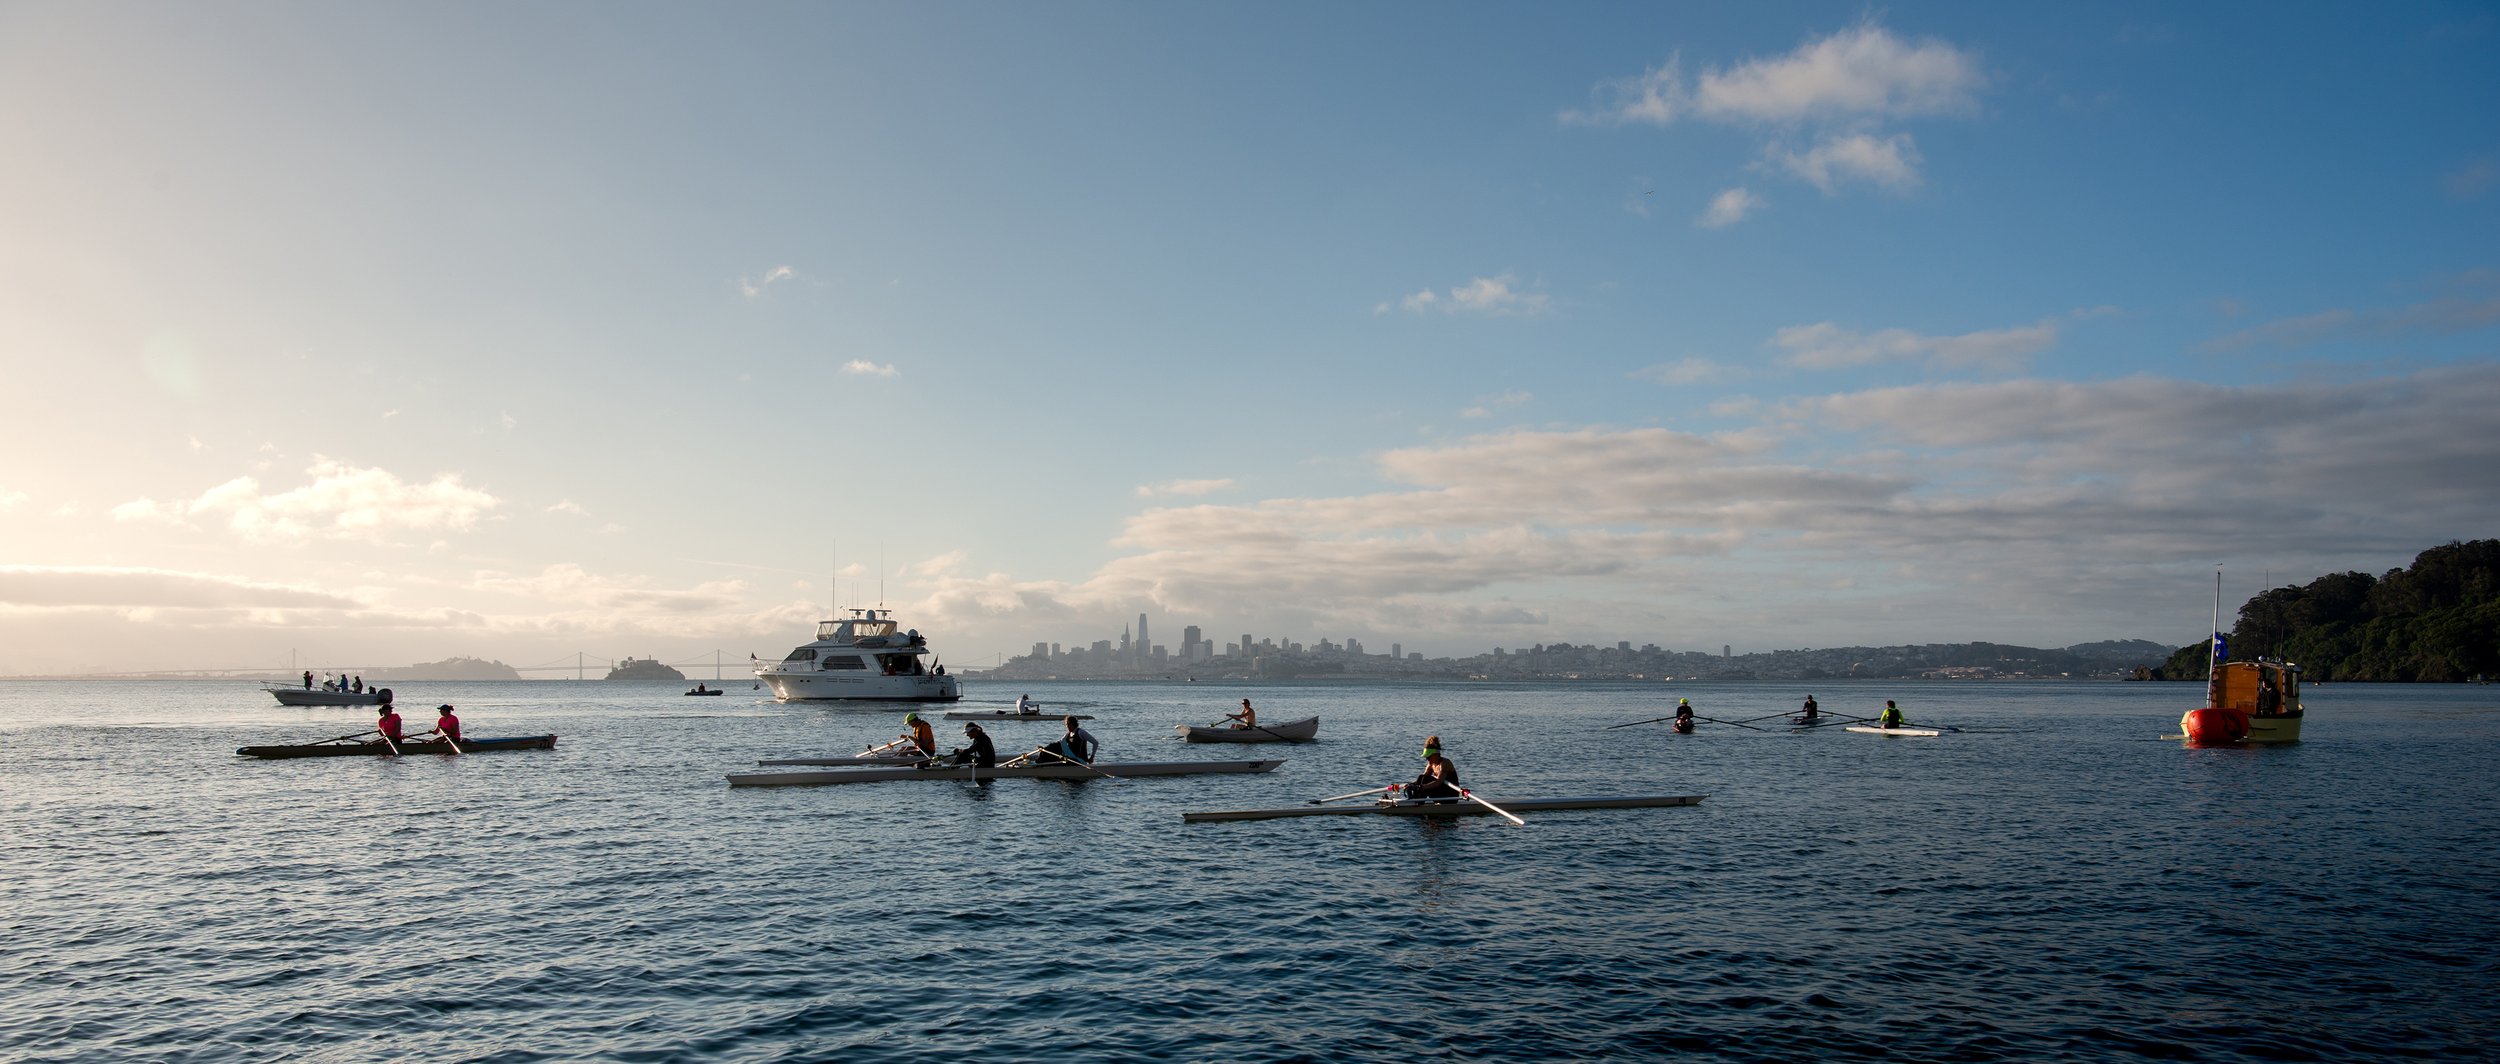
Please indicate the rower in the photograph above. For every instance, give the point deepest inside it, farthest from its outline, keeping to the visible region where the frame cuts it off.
(446, 724)
(918, 733)
(1683, 715)
(1026, 704)
(1891, 717)
(1248, 717)
(1810, 711)
(1440, 776)
(389, 724)
(1078, 746)
(980, 754)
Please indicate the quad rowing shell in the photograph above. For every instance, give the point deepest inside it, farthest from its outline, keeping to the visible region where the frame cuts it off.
(969, 772)
(1447, 808)
(1905, 733)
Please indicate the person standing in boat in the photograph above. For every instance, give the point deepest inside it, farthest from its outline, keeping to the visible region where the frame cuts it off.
(1078, 745)
(981, 754)
(447, 724)
(1248, 717)
(308, 679)
(1440, 775)
(1683, 715)
(388, 725)
(917, 731)
(1891, 717)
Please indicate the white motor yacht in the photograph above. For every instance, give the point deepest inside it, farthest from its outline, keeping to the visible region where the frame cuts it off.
(862, 657)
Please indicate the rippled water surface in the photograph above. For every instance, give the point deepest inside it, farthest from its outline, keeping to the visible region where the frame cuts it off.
(2054, 882)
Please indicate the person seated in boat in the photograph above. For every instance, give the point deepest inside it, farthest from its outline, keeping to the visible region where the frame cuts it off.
(389, 724)
(916, 731)
(698, 688)
(1440, 775)
(981, 754)
(1809, 712)
(1026, 704)
(1078, 746)
(1891, 716)
(446, 723)
(1248, 717)
(1683, 715)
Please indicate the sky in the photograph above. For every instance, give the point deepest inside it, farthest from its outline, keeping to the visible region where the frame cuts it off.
(370, 334)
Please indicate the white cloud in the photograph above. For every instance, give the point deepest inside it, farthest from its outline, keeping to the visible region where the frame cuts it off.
(58, 587)
(10, 500)
(1679, 372)
(1825, 345)
(2472, 301)
(1729, 208)
(1184, 487)
(568, 506)
(507, 421)
(754, 287)
(864, 368)
(1862, 71)
(341, 502)
(1891, 162)
(1483, 295)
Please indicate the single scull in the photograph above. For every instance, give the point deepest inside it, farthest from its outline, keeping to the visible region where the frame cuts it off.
(1446, 807)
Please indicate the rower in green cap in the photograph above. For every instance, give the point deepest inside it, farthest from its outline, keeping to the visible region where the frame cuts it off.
(1440, 776)
(917, 730)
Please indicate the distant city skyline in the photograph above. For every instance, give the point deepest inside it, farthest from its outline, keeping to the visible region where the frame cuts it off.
(390, 333)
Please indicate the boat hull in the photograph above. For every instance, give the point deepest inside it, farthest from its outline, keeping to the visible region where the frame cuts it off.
(1446, 809)
(1898, 733)
(377, 749)
(2280, 729)
(1292, 731)
(314, 696)
(1004, 715)
(1126, 770)
(846, 687)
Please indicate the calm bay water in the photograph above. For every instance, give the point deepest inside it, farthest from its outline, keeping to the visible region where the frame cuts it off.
(2053, 883)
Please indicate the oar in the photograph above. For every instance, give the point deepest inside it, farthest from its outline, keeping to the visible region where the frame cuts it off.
(1057, 756)
(1931, 727)
(1732, 723)
(1498, 809)
(1750, 720)
(1357, 794)
(455, 746)
(344, 738)
(386, 741)
(875, 750)
(1652, 720)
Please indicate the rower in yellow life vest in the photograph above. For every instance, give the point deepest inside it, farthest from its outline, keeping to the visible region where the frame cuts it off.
(1891, 717)
(920, 735)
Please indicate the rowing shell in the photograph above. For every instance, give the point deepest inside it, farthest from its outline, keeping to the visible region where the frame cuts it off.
(1447, 808)
(841, 762)
(1003, 714)
(1910, 733)
(970, 772)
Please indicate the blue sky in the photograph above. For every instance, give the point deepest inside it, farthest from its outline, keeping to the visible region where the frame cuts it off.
(378, 334)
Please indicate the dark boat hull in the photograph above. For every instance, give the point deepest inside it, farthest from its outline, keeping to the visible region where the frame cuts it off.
(376, 748)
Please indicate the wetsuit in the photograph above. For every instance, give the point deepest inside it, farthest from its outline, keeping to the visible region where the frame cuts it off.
(980, 754)
(1440, 780)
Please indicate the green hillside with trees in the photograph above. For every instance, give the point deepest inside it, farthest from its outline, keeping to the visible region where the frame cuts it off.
(2436, 622)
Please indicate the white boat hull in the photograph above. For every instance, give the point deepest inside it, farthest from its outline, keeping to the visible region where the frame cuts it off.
(314, 696)
(1117, 770)
(836, 686)
(1904, 733)
(1461, 807)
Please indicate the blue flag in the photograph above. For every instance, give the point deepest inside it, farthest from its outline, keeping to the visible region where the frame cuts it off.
(2222, 648)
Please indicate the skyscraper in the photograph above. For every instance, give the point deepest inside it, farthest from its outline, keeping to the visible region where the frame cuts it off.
(1143, 641)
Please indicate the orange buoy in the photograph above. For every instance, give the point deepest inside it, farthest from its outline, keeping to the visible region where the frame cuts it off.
(2214, 726)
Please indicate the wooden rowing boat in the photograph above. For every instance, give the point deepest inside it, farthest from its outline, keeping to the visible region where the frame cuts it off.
(1116, 770)
(1292, 731)
(1448, 807)
(406, 746)
(1906, 733)
(1008, 714)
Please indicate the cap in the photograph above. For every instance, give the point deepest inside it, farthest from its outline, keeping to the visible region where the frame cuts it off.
(444, 708)
(910, 717)
(1683, 701)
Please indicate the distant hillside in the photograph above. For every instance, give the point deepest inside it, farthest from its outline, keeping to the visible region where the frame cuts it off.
(2437, 621)
(448, 669)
